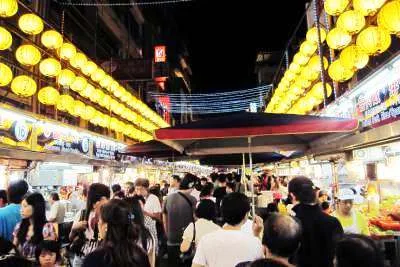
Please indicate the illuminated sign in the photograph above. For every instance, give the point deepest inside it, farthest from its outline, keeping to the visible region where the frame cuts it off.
(160, 54)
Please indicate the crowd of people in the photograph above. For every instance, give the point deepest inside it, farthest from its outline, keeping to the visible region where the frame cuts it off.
(188, 221)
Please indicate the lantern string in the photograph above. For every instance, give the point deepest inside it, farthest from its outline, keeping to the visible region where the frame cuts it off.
(149, 3)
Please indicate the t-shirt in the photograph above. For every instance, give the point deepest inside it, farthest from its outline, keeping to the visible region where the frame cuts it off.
(152, 204)
(9, 217)
(57, 212)
(203, 227)
(247, 227)
(179, 216)
(101, 257)
(227, 248)
(355, 224)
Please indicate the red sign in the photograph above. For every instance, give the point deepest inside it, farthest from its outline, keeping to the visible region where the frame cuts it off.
(160, 54)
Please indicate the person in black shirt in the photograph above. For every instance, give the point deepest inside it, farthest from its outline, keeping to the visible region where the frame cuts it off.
(320, 231)
(220, 192)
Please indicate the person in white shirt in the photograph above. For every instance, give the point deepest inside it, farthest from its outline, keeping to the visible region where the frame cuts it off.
(152, 207)
(229, 246)
(205, 214)
(57, 210)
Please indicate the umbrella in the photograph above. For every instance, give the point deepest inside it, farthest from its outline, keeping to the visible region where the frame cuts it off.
(246, 132)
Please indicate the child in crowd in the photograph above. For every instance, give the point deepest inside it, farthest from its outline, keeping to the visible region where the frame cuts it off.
(48, 254)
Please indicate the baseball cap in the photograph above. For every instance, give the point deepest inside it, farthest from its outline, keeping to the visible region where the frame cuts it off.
(346, 194)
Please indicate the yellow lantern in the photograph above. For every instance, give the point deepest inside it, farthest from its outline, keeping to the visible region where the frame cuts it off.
(114, 86)
(295, 90)
(338, 72)
(351, 21)
(389, 17)
(126, 97)
(50, 67)
(100, 95)
(338, 38)
(89, 113)
(293, 68)
(52, 39)
(368, 7)
(308, 48)
(5, 39)
(65, 103)
(318, 90)
(79, 84)
(28, 55)
(374, 40)
(78, 61)
(78, 109)
(304, 83)
(48, 95)
(300, 59)
(312, 35)
(105, 101)
(114, 124)
(98, 75)
(6, 75)
(352, 57)
(88, 91)
(309, 75)
(23, 86)
(30, 24)
(89, 68)
(106, 81)
(315, 63)
(8, 8)
(335, 7)
(66, 77)
(67, 51)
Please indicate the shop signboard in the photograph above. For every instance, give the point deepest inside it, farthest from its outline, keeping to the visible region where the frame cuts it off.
(105, 149)
(15, 130)
(380, 107)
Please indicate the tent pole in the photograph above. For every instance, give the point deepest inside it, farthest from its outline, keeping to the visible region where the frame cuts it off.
(253, 208)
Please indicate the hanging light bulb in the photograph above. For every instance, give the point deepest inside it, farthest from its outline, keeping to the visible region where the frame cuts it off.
(5, 38)
(338, 72)
(8, 8)
(374, 40)
(23, 86)
(50, 67)
(67, 51)
(78, 61)
(28, 55)
(51, 39)
(351, 21)
(89, 68)
(66, 77)
(308, 48)
(352, 57)
(368, 7)
(6, 75)
(79, 84)
(312, 35)
(335, 7)
(48, 96)
(30, 24)
(389, 17)
(65, 103)
(338, 38)
(97, 75)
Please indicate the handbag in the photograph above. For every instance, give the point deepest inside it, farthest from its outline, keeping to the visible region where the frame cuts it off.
(79, 240)
(186, 258)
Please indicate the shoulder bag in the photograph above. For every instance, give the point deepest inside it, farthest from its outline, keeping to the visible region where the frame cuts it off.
(186, 258)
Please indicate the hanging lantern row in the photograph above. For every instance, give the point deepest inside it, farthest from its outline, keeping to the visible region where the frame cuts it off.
(29, 55)
(370, 41)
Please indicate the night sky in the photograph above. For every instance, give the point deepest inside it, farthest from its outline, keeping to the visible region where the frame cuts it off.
(223, 38)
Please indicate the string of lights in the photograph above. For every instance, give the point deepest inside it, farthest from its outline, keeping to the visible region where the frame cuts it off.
(132, 3)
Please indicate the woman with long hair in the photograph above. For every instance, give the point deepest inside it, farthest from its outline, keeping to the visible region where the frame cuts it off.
(146, 230)
(119, 247)
(33, 228)
(84, 233)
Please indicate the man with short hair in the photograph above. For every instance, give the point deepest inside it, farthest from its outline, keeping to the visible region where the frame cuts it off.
(229, 246)
(129, 189)
(57, 210)
(3, 198)
(220, 192)
(178, 213)
(152, 206)
(282, 236)
(320, 231)
(174, 184)
(10, 215)
(116, 188)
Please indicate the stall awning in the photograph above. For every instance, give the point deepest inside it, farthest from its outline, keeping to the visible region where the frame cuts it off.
(150, 149)
(268, 132)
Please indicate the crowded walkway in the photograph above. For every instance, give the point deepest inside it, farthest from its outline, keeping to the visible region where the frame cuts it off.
(196, 222)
